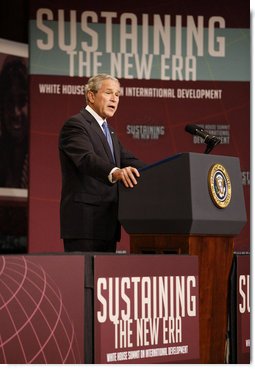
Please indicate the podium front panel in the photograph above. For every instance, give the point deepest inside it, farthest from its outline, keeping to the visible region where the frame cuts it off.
(146, 309)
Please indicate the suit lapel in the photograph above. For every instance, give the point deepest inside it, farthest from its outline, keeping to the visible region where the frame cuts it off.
(95, 126)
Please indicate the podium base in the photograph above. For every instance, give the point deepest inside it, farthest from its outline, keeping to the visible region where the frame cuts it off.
(215, 258)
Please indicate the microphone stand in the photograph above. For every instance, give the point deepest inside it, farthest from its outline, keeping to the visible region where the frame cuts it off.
(211, 144)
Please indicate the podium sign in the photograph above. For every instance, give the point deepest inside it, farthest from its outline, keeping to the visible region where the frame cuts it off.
(146, 309)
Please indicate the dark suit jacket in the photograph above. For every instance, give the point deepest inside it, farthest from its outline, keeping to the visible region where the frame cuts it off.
(89, 202)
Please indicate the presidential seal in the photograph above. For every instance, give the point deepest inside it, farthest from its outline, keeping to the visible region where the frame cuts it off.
(219, 185)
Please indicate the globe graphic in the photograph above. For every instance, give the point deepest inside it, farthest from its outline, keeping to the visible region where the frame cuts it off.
(34, 323)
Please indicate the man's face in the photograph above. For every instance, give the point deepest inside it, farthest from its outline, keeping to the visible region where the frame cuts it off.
(15, 112)
(106, 100)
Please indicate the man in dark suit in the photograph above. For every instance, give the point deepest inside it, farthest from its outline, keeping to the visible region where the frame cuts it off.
(91, 171)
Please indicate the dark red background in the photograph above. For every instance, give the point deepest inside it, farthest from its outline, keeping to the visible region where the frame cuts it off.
(48, 113)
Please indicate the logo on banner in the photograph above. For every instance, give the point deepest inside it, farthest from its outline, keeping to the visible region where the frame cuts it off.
(145, 132)
(219, 185)
(132, 46)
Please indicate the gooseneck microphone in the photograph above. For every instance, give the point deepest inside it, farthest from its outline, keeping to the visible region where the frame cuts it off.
(209, 139)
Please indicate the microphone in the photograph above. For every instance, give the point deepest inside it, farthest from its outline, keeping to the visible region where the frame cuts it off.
(209, 139)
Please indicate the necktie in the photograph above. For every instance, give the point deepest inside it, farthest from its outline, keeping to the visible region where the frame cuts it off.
(108, 137)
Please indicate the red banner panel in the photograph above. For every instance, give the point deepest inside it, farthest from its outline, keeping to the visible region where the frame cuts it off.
(243, 309)
(42, 309)
(146, 309)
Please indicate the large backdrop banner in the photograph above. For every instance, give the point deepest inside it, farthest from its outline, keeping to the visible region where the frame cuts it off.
(178, 62)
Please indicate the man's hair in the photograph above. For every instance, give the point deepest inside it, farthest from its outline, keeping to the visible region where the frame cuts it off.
(95, 83)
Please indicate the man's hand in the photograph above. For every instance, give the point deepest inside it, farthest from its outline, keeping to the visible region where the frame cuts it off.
(127, 175)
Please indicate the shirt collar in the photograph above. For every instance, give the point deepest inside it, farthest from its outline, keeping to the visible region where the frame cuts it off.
(99, 119)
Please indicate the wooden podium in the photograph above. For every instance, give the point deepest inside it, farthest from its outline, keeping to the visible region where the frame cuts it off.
(176, 209)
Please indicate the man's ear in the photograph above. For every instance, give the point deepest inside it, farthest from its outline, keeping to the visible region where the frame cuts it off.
(91, 96)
